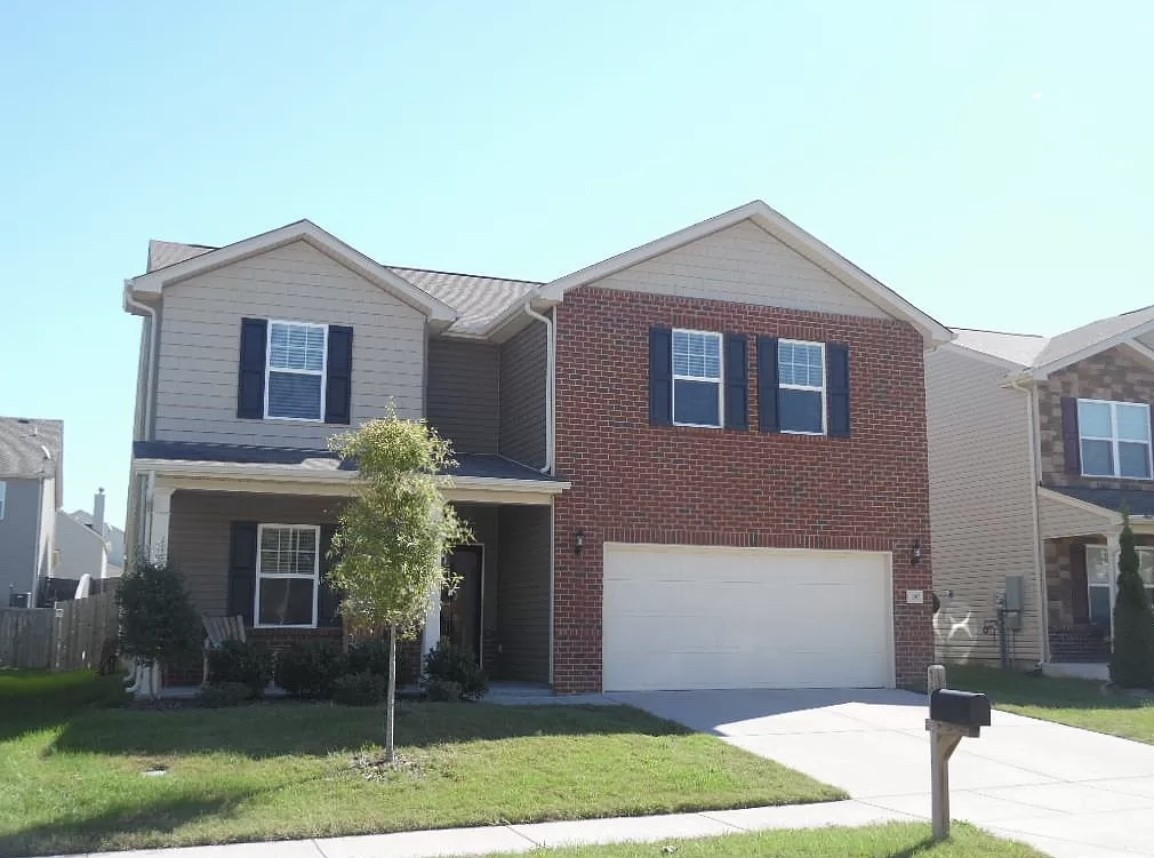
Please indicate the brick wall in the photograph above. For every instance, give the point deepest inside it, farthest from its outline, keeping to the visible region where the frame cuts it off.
(1115, 375)
(638, 483)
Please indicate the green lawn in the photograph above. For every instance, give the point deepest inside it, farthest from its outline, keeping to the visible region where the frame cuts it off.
(72, 774)
(1076, 702)
(897, 840)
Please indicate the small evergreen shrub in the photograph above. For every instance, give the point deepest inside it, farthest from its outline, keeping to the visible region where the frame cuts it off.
(442, 691)
(360, 689)
(309, 668)
(157, 620)
(224, 694)
(249, 664)
(1132, 662)
(456, 664)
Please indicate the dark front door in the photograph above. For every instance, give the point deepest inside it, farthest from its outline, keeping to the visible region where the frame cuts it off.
(461, 612)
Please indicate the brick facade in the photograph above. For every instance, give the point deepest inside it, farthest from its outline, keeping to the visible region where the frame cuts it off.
(1117, 375)
(638, 483)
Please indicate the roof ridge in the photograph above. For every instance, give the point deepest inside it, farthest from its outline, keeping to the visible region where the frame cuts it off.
(1004, 333)
(466, 274)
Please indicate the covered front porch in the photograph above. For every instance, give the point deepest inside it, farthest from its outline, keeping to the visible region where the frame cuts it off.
(1081, 530)
(253, 541)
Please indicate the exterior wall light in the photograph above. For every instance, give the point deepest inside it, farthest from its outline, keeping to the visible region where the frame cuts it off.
(916, 553)
(578, 542)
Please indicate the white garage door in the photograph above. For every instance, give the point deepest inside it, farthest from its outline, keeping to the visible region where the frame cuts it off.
(681, 617)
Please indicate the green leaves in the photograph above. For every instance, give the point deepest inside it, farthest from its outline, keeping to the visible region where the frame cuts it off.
(394, 535)
(1132, 661)
(157, 620)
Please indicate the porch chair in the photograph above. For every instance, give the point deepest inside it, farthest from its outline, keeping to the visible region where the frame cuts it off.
(217, 631)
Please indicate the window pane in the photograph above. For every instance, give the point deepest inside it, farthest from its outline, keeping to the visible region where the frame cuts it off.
(800, 411)
(696, 354)
(1097, 458)
(293, 395)
(1146, 566)
(288, 551)
(1097, 565)
(299, 347)
(800, 363)
(1133, 460)
(286, 601)
(1133, 422)
(1100, 606)
(1094, 419)
(697, 402)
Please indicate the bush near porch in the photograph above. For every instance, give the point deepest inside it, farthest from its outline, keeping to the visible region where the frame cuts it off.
(76, 777)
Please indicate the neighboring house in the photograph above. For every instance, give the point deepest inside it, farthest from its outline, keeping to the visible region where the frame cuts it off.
(698, 464)
(31, 486)
(1036, 445)
(87, 544)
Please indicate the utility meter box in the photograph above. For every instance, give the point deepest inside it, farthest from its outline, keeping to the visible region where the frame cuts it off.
(1015, 601)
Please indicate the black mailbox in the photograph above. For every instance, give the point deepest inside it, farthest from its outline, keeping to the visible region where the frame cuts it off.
(960, 707)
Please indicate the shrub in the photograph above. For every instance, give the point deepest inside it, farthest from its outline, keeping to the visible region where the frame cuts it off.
(442, 690)
(249, 664)
(372, 656)
(157, 620)
(456, 664)
(224, 694)
(359, 689)
(309, 668)
(1132, 662)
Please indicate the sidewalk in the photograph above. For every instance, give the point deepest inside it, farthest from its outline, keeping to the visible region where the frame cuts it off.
(524, 838)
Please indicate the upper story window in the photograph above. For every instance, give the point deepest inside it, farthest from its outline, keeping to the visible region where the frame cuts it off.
(287, 575)
(296, 370)
(697, 379)
(801, 387)
(3, 498)
(1114, 439)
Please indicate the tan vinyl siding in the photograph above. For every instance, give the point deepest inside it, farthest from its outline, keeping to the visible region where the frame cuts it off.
(200, 345)
(981, 511)
(524, 591)
(1059, 518)
(743, 264)
(463, 394)
(522, 396)
(200, 531)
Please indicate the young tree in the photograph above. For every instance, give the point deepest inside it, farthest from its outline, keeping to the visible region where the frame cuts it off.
(394, 535)
(157, 620)
(1132, 662)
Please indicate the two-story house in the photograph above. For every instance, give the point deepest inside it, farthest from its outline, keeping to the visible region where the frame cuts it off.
(1036, 446)
(698, 464)
(31, 487)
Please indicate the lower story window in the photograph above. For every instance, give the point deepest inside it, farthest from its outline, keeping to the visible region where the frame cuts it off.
(287, 574)
(1101, 576)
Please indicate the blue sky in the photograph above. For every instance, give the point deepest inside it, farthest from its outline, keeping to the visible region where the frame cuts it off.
(989, 160)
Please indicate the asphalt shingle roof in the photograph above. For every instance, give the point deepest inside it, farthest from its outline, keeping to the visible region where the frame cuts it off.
(30, 447)
(1137, 502)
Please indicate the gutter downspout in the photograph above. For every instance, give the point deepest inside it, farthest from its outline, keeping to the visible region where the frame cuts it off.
(550, 386)
(146, 429)
(1039, 554)
(140, 539)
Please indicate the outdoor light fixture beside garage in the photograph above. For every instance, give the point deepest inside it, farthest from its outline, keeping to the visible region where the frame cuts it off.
(916, 553)
(578, 542)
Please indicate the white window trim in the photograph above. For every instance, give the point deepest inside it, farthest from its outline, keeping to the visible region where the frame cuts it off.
(720, 381)
(316, 577)
(1115, 440)
(3, 499)
(268, 370)
(1112, 572)
(809, 387)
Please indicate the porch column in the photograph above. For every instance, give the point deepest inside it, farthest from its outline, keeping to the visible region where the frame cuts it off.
(158, 523)
(432, 634)
(1113, 552)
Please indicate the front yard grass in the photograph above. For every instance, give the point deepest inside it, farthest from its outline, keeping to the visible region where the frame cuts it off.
(1077, 702)
(895, 840)
(73, 775)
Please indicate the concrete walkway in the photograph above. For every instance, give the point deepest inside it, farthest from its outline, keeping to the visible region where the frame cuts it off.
(1069, 792)
(525, 838)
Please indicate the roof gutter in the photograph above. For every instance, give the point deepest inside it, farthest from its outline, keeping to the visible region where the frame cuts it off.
(550, 386)
(146, 429)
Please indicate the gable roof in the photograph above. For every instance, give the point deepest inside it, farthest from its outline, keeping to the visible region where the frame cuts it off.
(208, 259)
(785, 231)
(1041, 356)
(30, 448)
(479, 301)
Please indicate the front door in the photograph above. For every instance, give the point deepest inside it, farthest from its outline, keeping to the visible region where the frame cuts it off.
(461, 612)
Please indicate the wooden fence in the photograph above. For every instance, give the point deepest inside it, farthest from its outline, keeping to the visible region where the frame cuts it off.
(70, 636)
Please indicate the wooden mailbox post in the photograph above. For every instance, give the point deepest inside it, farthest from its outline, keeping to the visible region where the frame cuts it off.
(954, 715)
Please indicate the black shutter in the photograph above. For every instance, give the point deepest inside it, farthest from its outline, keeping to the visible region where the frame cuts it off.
(328, 601)
(1071, 443)
(339, 375)
(837, 389)
(736, 382)
(1079, 594)
(767, 384)
(660, 377)
(250, 387)
(242, 570)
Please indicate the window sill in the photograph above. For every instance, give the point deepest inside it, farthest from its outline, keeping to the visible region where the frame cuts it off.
(295, 628)
(319, 420)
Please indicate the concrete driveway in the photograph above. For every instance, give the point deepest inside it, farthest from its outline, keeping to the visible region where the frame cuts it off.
(1069, 792)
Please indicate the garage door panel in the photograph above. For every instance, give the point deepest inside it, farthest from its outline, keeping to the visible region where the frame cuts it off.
(692, 617)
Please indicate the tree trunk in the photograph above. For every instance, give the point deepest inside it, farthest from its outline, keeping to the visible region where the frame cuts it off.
(391, 698)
